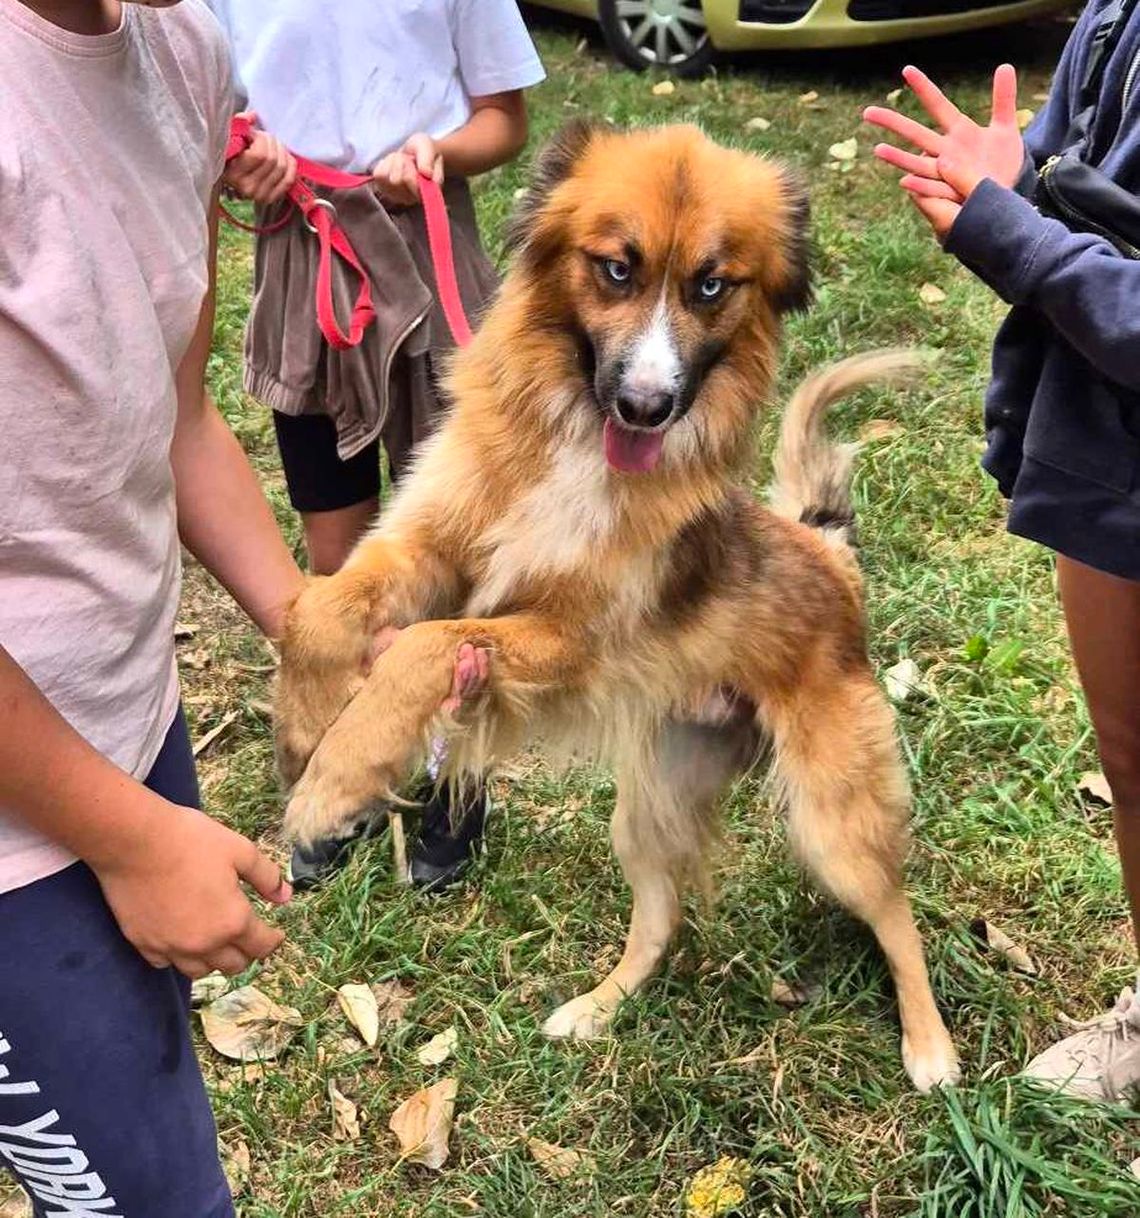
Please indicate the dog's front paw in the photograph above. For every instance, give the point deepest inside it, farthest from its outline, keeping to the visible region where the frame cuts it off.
(324, 660)
(583, 1018)
(933, 1065)
(316, 813)
(331, 798)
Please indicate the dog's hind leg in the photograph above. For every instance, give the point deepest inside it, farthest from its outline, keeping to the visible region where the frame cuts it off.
(656, 916)
(660, 831)
(837, 761)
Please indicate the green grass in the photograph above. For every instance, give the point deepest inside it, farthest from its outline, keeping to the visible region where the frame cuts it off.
(703, 1064)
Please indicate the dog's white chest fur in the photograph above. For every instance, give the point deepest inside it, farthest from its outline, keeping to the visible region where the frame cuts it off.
(555, 528)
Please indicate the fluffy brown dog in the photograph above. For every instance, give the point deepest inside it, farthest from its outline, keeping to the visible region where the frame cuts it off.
(581, 515)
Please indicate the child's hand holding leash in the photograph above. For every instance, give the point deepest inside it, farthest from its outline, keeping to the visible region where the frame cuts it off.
(265, 171)
(397, 175)
(956, 156)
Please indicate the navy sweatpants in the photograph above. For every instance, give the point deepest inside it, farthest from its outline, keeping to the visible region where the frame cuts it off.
(103, 1112)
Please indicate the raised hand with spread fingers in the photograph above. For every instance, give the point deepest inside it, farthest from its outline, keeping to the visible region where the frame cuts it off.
(955, 153)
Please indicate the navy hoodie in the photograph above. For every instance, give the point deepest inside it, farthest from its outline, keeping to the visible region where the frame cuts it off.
(1063, 406)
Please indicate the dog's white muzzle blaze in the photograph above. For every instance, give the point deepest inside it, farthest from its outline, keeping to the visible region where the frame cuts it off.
(646, 398)
(647, 391)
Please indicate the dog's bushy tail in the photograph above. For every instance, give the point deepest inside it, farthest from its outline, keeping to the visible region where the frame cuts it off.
(812, 473)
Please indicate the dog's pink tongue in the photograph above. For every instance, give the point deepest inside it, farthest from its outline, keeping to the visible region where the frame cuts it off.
(633, 452)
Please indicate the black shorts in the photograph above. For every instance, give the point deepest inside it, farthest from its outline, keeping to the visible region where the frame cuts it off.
(318, 480)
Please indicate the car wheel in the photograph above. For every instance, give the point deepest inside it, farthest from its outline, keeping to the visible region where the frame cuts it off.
(668, 34)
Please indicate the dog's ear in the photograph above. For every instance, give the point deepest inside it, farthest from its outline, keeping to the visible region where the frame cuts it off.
(791, 289)
(553, 165)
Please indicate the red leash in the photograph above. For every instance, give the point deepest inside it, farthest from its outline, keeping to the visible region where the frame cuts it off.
(320, 217)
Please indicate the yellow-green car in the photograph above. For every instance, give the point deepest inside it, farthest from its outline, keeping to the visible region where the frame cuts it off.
(684, 35)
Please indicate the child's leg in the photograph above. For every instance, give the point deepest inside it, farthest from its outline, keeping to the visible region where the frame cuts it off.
(1103, 616)
(1101, 1061)
(101, 1097)
(337, 500)
(331, 536)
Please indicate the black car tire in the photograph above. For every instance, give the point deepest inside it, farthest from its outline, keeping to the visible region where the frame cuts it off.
(620, 30)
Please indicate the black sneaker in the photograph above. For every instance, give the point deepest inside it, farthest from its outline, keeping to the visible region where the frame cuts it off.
(443, 855)
(310, 868)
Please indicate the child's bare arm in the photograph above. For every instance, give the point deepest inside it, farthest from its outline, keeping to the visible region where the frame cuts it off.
(223, 517)
(171, 876)
(494, 134)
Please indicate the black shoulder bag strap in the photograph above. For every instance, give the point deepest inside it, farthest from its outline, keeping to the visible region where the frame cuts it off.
(1105, 40)
(1068, 187)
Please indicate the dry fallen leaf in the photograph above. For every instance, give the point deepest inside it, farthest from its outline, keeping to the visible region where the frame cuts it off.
(556, 1161)
(792, 993)
(1094, 786)
(245, 1025)
(720, 1189)
(931, 294)
(358, 1003)
(392, 1000)
(806, 99)
(346, 1124)
(422, 1123)
(256, 669)
(208, 989)
(880, 429)
(237, 1165)
(998, 941)
(902, 680)
(758, 124)
(438, 1049)
(847, 150)
(1133, 1167)
(1024, 118)
(663, 88)
(214, 733)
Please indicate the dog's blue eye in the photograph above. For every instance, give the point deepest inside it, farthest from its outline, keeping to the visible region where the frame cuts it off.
(711, 287)
(617, 271)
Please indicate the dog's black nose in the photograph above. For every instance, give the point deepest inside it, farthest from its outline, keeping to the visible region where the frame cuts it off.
(644, 409)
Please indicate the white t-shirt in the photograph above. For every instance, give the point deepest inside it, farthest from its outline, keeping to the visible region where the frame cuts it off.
(345, 82)
(110, 146)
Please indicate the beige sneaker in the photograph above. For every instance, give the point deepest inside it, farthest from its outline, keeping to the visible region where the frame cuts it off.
(1101, 1060)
